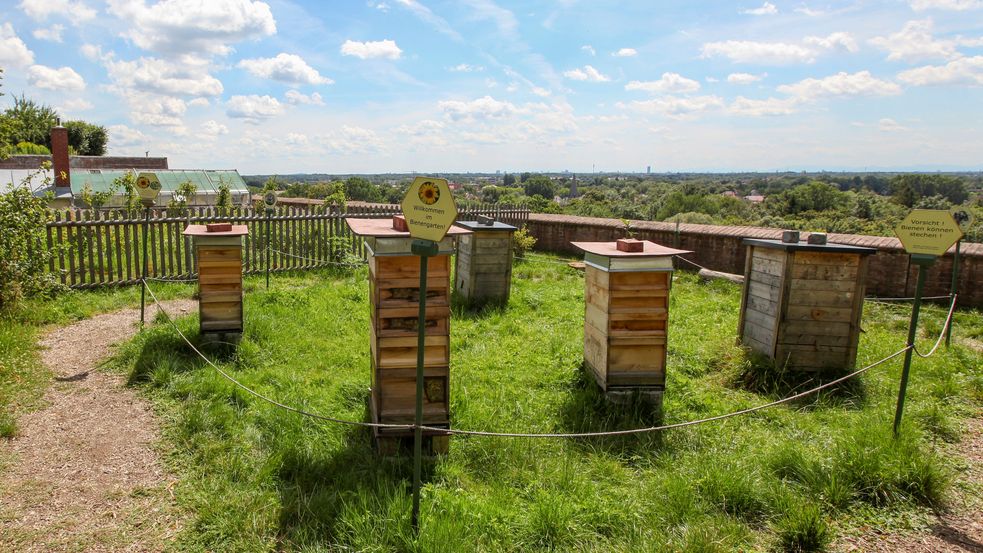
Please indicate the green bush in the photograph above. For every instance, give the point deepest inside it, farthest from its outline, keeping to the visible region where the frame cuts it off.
(23, 254)
(522, 242)
(802, 528)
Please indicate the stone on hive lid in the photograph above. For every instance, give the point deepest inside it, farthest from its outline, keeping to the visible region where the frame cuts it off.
(630, 245)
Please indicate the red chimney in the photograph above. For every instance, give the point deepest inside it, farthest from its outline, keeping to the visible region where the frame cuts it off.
(59, 156)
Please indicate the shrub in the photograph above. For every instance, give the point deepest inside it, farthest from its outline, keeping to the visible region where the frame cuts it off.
(23, 255)
(522, 242)
(802, 528)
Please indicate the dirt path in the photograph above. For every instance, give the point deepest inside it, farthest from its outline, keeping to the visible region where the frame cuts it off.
(84, 474)
(960, 529)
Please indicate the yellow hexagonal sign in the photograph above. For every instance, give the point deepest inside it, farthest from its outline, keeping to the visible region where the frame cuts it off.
(429, 208)
(148, 186)
(928, 232)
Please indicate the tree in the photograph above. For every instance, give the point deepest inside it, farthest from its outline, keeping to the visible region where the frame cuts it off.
(508, 180)
(540, 185)
(31, 121)
(86, 138)
(491, 193)
(359, 188)
(908, 189)
(523, 177)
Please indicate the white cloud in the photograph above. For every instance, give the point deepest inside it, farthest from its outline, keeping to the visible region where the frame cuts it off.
(915, 42)
(426, 15)
(841, 84)
(711, 79)
(199, 102)
(214, 128)
(351, 140)
(758, 108)
(625, 53)
(970, 42)
(540, 91)
(961, 71)
(808, 12)
(289, 68)
(253, 108)
(766, 9)
(370, 50)
(482, 108)
(63, 78)
(890, 125)
(504, 20)
(91, 52)
(588, 73)
(13, 51)
(73, 105)
(295, 97)
(40, 10)
(52, 33)
(779, 53)
(744, 78)
(193, 26)
(589, 49)
(677, 107)
(465, 68)
(121, 135)
(159, 111)
(670, 82)
(954, 5)
(833, 41)
(186, 76)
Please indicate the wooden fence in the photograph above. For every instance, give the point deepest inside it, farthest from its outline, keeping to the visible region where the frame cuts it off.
(105, 247)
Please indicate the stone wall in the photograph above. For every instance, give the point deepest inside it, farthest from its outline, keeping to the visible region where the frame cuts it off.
(87, 162)
(719, 248)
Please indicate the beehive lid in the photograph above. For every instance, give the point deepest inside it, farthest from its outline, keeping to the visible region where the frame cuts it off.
(610, 249)
(201, 230)
(803, 246)
(383, 228)
(477, 225)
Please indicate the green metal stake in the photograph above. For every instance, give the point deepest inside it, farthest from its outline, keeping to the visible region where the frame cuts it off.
(425, 249)
(953, 289)
(146, 266)
(923, 261)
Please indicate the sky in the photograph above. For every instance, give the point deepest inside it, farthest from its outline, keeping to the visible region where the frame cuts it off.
(355, 86)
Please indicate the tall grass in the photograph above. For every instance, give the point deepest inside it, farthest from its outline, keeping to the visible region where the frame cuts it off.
(253, 477)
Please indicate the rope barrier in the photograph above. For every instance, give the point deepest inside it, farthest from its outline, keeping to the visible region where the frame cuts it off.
(633, 431)
(269, 400)
(693, 263)
(319, 261)
(948, 321)
(876, 299)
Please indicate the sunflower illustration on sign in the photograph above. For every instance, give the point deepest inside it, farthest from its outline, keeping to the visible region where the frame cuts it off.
(429, 193)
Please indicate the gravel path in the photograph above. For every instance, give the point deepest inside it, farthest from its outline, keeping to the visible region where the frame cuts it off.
(84, 474)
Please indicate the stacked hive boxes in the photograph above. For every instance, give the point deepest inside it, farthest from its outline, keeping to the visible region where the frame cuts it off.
(219, 254)
(627, 311)
(802, 302)
(483, 271)
(394, 295)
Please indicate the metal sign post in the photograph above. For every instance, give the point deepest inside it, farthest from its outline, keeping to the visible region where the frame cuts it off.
(148, 187)
(269, 200)
(925, 234)
(430, 211)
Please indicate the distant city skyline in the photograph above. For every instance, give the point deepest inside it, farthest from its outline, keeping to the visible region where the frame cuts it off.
(378, 86)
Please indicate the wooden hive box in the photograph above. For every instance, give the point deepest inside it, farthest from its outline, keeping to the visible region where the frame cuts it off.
(394, 295)
(483, 269)
(626, 298)
(219, 256)
(802, 303)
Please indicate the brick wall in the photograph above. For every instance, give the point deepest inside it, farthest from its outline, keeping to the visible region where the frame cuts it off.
(719, 248)
(87, 162)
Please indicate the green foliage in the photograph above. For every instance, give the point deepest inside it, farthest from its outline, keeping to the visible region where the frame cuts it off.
(96, 200)
(539, 185)
(31, 121)
(31, 149)
(183, 196)
(507, 180)
(223, 201)
(87, 139)
(127, 184)
(522, 242)
(910, 188)
(23, 253)
(361, 189)
(802, 529)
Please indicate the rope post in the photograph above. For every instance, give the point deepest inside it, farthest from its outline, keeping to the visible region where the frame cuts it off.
(425, 249)
(147, 204)
(269, 212)
(953, 289)
(923, 261)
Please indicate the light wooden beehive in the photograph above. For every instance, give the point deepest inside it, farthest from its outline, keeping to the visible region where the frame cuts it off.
(219, 256)
(626, 300)
(394, 291)
(802, 303)
(483, 269)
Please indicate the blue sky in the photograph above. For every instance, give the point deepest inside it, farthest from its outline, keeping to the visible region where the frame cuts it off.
(485, 85)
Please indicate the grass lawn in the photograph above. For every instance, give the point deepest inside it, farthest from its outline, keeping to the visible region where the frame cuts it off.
(253, 477)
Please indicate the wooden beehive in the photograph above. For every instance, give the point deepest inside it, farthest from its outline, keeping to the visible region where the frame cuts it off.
(626, 315)
(803, 302)
(219, 256)
(483, 269)
(394, 295)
